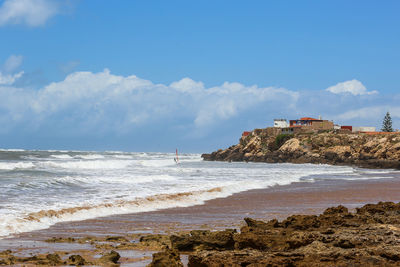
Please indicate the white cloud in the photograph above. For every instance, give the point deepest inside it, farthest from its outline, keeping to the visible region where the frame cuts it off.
(227, 100)
(369, 113)
(8, 79)
(187, 85)
(353, 87)
(106, 101)
(30, 12)
(12, 63)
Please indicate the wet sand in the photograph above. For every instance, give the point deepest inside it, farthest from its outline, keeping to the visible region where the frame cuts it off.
(276, 202)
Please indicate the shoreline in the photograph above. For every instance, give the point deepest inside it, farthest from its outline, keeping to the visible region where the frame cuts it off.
(277, 202)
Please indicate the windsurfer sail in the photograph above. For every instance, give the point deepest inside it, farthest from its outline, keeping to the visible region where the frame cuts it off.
(176, 159)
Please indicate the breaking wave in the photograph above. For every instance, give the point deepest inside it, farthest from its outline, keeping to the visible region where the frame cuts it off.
(92, 164)
(16, 165)
(41, 188)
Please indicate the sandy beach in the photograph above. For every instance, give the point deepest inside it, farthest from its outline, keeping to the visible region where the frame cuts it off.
(264, 204)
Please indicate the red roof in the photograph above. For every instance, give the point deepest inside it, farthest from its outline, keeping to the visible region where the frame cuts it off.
(308, 119)
(245, 133)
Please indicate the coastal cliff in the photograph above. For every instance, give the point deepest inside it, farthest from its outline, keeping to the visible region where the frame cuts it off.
(328, 147)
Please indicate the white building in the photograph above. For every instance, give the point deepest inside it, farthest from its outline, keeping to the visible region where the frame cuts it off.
(281, 123)
(364, 129)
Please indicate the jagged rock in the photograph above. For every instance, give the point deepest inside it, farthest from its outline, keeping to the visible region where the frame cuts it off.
(166, 258)
(260, 224)
(117, 239)
(302, 222)
(111, 257)
(54, 259)
(204, 240)
(369, 237)
(225, 259)
(155, 241)
(291, 146)
(76, 260)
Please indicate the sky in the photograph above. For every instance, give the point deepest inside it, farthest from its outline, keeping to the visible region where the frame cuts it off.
(192, 75)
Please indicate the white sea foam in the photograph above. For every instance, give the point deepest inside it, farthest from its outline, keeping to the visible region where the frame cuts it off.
(83, 185)
(13, 150)
(89, 156)
(158, 163)
(61, 156)
(16, 165)
(36, 221)
(122, 156)
(85, 164)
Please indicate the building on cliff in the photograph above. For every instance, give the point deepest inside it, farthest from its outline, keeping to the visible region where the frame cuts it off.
(305, 124)
(308, 123)
(280, 123)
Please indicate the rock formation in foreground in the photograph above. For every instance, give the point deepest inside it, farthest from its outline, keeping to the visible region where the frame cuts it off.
(368, 237)
(363, 150)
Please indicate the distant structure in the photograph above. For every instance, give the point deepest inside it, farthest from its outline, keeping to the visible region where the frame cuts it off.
(363, 129)
(245, 133)
(305, 124)
(280, 123)
(346, 127)
(308, 123)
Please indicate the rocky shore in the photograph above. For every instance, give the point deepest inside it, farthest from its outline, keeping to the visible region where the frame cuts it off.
(328, 147)
(370, 236)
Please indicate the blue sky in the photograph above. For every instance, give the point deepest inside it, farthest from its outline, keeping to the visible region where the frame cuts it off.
(155, 75)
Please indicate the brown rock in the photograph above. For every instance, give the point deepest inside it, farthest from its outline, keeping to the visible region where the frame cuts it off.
(54, 259)
(117, 239)
(204, 240)
(111, 257)
(167, 258)
(76, 260)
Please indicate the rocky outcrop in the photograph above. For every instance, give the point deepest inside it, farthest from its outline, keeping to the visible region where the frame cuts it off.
(110, 258)
(204, 240)
(167, 257)
(363, 150)
(368, 237)
(76, 260)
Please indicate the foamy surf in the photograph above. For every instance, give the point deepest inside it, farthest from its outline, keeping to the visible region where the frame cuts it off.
(41, 188)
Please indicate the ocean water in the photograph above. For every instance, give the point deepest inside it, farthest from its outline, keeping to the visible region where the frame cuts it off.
(41, 188)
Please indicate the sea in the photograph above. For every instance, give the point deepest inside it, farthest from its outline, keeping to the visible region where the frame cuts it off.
(41, 188)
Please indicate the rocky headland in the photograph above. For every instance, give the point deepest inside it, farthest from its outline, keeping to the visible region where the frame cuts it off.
(327, 147)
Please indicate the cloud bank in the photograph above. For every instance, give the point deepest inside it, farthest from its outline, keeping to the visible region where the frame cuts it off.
(353, 87)
(86, 105)
(28, 12)
(104, 101)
